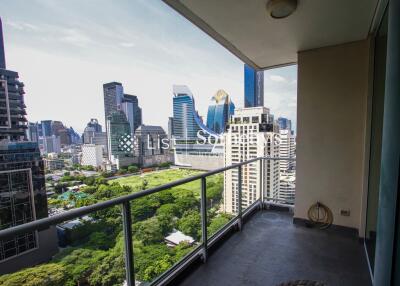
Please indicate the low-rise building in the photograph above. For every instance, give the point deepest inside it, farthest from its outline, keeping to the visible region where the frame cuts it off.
(53, 164)
(92, 155)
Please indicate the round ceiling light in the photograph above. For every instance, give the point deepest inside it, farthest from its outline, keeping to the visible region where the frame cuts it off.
(279, 9)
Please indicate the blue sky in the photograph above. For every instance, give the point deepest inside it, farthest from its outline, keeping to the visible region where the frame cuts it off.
(65, 50)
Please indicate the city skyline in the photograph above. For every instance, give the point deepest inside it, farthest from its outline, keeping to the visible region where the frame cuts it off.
(146, 58)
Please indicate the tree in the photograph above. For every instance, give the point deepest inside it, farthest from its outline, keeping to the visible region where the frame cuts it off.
(51, 274)
(190, 224)
(158, 267)
(169, 210)
(146, 256)
(216, 224)
(148, 231)
(186, 202)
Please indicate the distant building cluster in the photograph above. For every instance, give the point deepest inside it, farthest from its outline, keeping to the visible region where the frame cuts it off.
(217, 143)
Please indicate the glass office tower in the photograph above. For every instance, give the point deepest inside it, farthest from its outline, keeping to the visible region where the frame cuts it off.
(185, 125)
(219, 112)
(253, 87)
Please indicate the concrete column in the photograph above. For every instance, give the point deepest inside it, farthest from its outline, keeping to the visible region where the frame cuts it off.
(390, 161)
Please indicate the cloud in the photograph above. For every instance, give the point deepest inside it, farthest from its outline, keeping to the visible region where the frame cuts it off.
(75, 37)
(22, 26)
(277, 78)
(127, 44)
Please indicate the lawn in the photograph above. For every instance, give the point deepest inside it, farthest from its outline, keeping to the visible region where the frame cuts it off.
(155, 179)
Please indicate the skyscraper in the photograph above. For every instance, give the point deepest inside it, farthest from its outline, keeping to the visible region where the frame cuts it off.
(130, 106)
(185, 123)
(115, 99)
(2, 53)
(46, 128)
(113, 95)
(220, 111)
(22, 185)
(284, 123)
(250, 135)
(253, 87)
(119, 140)
(33, 132)
(93, 134)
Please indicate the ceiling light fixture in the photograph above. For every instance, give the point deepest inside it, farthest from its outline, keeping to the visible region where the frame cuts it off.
(279, 9)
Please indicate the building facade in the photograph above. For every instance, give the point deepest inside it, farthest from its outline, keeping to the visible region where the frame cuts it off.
(185, 126)
(22, 184)
(287, 149)
(53, 164)
(130, 106)
(253, 87)
(250, 135)
(284, 123)
(219, 112)
(49, 144)
(92, 155)
(119, 140)
(151, 145)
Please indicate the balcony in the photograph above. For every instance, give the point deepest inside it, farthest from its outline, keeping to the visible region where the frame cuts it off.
(271, 250)
(259, 245)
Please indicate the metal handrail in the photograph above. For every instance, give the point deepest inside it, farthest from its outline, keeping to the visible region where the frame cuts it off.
(124, 201)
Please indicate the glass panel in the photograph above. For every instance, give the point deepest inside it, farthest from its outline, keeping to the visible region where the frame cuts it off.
(376, 139)
(166, 225)
(221, 204)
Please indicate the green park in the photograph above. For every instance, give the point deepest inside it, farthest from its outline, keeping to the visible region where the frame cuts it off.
(95, 251)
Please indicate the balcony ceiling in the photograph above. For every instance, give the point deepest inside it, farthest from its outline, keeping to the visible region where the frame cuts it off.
(245, 28)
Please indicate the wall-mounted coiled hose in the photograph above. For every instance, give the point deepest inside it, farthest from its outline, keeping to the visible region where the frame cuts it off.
(320, 216)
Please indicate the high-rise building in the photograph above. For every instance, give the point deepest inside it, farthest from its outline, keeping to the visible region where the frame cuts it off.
(285, 124)
(149, 146)
(250, 135)
(115, 100)
(170, 128)
(94, 125)
(46, 128)
(2, 53)
(185, 117)
(33, 132)
(113, 95)
(91, 130)
(189, 149)
(130, 106)
(287, 149)
(119, 140)
(13, 123)
(22, 184)
(219, 112)
(49, 144)
(253, 87)
(92, 155)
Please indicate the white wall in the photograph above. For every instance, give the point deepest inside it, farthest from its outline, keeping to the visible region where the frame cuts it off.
(332, 116)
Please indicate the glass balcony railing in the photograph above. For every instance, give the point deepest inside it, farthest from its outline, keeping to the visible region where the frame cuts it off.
(159, 231)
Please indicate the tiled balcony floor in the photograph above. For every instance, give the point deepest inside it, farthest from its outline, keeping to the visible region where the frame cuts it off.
(271, 250)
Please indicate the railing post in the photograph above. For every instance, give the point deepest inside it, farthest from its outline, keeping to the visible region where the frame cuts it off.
(240, 222)
(261, 184)
(127, 226)
(203, 203)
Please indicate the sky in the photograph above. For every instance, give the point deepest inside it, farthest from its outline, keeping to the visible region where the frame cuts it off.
(65, 50)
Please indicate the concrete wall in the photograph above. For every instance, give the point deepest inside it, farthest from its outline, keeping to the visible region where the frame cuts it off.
(332, 121)
(48, 247)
